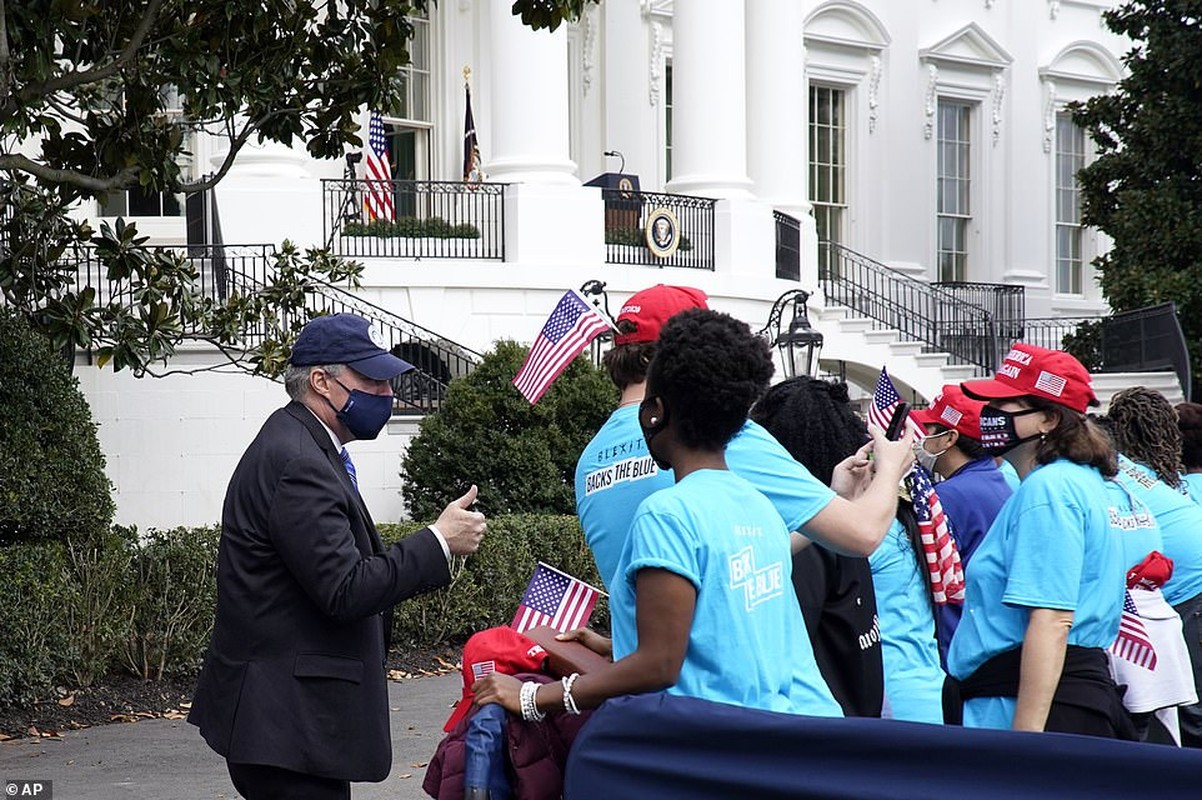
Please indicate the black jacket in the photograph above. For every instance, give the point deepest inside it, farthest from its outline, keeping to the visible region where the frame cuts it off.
(294, 676)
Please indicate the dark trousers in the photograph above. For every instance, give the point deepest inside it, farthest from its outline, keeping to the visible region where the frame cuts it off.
(260, 782)
(1191, 626)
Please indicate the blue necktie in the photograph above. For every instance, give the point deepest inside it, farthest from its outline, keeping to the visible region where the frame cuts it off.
(350, 468)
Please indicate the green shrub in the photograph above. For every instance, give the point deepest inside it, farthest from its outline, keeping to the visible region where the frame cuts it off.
(52, 481)
(104, 591)
(637, 237)
(486, 588)
(35, 637)
(412, 228)
(522, 457)
(175, 599)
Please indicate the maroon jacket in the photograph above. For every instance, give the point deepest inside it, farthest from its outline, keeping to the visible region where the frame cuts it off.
(537, 753)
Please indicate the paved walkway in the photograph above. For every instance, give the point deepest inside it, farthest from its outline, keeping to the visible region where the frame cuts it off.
(159, 759)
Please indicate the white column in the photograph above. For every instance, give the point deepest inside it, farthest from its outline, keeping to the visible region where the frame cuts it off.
(630, 117)
(777, 105)
(529, 87)
(709, 99)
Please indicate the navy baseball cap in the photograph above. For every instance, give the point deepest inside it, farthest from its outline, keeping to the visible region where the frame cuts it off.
(346, 339)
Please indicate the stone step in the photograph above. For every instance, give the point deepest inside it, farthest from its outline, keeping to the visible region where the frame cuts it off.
(855, 325)
(932, 360)
(887, 336)
(902, 349)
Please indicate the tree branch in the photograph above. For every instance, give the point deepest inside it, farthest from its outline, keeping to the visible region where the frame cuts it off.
(15, 162)
(74, 79)
(4, 54)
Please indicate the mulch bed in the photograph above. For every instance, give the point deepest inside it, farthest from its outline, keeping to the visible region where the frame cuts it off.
(123, 698)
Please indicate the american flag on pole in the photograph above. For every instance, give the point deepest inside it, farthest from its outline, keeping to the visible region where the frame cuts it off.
(572, 325)
(938, 546)
(884, 400)
(1133, 643)
(378, 172)
(555, 599)
(472, 172)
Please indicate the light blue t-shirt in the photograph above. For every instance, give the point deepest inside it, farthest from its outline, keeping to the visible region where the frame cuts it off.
(1055, 544)
(1009, 473)
(615, 473)
(1180, 521)
(1193, 484)
(747, 644)
(909, 650)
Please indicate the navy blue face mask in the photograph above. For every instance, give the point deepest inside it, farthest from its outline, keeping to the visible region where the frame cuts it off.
(364, 414)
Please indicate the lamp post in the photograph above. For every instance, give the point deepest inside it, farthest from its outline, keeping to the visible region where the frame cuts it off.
(800, 344)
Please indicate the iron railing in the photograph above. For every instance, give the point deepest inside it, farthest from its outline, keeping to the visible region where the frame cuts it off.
(1006, 303)
(225, 271)
(788, 246)
(434, 219)
(941, 320)
(626, 216)
(1061, 333)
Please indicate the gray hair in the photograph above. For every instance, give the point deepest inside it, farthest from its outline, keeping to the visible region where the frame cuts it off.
(296, 379)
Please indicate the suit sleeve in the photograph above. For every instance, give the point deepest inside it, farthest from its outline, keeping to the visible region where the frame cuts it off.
(309, 524)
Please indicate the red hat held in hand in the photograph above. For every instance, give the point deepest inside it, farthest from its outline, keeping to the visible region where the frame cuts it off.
(501, 650)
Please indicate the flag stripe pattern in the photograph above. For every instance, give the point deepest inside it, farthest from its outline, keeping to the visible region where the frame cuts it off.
(378, 172)
(569, 329)
(934, 528)
(884, 402)
(1133, 643)
(938, 546)
(555, 599)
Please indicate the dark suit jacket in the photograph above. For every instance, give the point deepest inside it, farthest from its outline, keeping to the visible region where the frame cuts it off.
(294, 676)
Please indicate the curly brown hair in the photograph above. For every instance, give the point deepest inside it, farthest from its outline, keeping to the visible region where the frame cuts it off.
(1144, 425)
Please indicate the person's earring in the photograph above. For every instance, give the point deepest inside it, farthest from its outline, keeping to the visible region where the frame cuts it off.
(655, 420)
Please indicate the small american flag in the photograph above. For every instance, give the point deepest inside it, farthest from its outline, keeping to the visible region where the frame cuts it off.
(884, 401)
(572, 325)
(555, 599)
(1133, 643)
(482, 668)
(938, 546)
(378, 172)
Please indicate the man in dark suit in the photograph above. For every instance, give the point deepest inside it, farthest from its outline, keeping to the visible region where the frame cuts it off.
(293, 691)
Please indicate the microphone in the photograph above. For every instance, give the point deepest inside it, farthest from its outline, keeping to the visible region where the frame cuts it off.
(616, 154)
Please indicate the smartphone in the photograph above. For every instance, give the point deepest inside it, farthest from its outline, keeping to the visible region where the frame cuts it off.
(898, 423)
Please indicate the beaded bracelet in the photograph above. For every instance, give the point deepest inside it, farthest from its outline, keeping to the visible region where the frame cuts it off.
(529, 706)
(569, 703)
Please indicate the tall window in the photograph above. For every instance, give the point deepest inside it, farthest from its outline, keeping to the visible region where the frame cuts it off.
(142, 202)
(953, 187)
(1070, 158)
(667, 122)
(409, 138)
(415, 76)
(828, 161)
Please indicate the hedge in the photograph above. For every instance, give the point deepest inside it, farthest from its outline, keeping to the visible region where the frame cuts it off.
(69, 613)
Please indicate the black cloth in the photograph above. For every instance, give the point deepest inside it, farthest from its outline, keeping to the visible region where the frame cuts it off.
(839, 606)
(257, 782)
(294, 676)
(1190, 717)
(1086, 701)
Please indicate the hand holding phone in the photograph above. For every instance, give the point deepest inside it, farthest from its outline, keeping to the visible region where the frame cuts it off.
(897, 424)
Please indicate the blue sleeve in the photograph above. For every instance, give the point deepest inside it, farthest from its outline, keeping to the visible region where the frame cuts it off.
(1045, 553)
(660, 540)
(754, 455)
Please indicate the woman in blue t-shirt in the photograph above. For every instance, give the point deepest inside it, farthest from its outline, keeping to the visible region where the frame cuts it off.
(700, 603)
(1189, 422)
(1045, 587)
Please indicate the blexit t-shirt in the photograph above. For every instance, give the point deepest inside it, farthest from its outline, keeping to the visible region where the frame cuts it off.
(747, 644)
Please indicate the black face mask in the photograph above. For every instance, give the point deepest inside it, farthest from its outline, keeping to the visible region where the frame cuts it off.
(651, 431)
(998, 434)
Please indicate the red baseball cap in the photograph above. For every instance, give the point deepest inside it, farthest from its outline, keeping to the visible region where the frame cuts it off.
(953, 409)
(1038, 372)
(501, 650)
(651, 308)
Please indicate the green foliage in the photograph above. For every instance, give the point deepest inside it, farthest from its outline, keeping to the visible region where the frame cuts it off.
(549, 14)
(485, 589)
(522, 457)
(1143, 190)
(412, 227)
(174, 601)
(1085, 344)
(52, 481)
(102, 597)
(35, 639)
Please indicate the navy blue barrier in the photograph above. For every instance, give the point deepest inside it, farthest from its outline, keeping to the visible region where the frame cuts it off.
(664, 746)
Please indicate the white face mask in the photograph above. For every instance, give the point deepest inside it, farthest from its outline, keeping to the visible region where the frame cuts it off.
(925, 457)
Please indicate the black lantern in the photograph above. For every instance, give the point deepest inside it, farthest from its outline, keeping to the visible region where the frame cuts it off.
(800, 344)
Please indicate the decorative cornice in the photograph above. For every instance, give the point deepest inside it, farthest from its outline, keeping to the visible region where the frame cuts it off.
(930, 101)
(969, 46)
(659, 8)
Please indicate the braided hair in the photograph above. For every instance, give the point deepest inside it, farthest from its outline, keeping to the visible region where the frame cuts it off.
(813, 420)
(1144, 426)
(709, 368)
